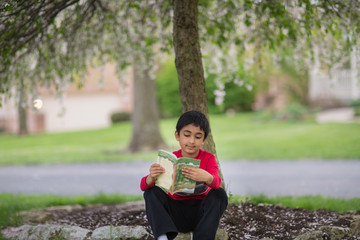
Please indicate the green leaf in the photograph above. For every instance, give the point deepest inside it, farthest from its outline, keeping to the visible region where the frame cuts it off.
(247, 20)
(135, 5)
(8, 8)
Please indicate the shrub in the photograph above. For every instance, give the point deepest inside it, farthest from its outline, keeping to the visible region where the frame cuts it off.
(120, 117)
(167, 91)
(210, 88)
(357, 112)
(238, 97)
(292, 112)
(167, 87)
(356, 105)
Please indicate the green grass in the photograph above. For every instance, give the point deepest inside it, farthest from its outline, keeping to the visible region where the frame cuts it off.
(13, 203)
(99, 145)
(238, 137)
(243, 137)
(306, 202)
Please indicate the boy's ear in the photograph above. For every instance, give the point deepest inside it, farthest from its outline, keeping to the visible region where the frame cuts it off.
(177, 137)
(204, 141)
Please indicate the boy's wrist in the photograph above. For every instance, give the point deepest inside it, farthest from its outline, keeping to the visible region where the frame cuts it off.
(210, 180)
(150, 180)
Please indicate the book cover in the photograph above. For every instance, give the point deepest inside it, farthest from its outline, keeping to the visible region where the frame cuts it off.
(173, 181)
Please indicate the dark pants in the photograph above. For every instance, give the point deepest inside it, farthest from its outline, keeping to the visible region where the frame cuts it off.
(169, 216)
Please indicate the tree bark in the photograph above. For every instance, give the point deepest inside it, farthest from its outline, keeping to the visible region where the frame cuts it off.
(145, 118)
(22, 117)
(189, 64)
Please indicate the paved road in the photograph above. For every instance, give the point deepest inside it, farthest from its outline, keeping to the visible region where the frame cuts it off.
(338, 179)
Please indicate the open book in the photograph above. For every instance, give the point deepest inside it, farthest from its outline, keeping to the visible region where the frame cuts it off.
(173, 181)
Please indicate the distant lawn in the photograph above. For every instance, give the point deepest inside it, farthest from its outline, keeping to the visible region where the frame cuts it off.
(237, 137)
(243, 137)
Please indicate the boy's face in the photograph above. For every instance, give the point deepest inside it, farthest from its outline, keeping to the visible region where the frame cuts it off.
(191, 138)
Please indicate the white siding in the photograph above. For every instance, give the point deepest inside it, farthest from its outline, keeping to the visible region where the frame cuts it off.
(81, 111)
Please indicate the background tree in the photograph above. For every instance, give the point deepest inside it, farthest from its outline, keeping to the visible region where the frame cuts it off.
(146, 30)
(23, 129)
(41, 42)
(44, 43)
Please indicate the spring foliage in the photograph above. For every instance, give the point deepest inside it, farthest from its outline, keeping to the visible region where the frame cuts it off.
(47, 43)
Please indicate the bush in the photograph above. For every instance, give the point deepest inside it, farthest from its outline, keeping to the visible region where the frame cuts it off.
(210, 88)
(167, 91)
(238, 98)
(292, 112)
(120, 117)
(167, 87)
(357, 112)
(356, 105)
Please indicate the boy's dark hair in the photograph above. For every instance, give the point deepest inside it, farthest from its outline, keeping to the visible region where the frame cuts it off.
(196, 118)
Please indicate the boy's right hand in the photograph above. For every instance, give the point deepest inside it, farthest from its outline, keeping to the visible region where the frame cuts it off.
(155, 171)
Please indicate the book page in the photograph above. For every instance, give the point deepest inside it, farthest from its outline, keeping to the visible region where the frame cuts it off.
(165, 180)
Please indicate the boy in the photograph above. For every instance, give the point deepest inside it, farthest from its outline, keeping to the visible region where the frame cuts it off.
(200, 213)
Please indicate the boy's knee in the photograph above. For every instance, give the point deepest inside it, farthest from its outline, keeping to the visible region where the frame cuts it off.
(220, 194)
(149, 192)
(152, 192)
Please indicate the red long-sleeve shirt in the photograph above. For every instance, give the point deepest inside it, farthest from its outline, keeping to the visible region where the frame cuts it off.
(207, 162)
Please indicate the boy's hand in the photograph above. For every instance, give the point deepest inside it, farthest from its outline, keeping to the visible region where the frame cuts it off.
(197, 174)
(155, 171)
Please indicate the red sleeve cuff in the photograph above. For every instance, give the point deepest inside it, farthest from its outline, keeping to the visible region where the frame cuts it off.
(215, 183)
(144, 186)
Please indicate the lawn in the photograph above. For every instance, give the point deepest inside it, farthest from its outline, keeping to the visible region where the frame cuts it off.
(239, 137)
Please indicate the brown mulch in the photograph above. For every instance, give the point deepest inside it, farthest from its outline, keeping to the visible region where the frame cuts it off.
(241, 221)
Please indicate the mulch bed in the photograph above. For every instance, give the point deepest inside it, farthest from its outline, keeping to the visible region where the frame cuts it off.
(241, 221)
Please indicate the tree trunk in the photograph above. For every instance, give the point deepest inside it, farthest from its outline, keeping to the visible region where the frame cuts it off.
(189, 64)
(145, 118)
(23, 129)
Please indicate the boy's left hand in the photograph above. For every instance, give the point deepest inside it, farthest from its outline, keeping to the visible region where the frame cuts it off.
(197, 174)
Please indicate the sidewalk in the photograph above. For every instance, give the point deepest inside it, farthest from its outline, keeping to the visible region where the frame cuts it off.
(334, 178)
(344, 115)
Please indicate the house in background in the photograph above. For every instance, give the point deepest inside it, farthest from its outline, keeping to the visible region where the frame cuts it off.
(324, 89)
(86, 108)
(338, 87)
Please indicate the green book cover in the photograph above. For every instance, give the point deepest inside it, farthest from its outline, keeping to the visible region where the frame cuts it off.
(173, 181)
